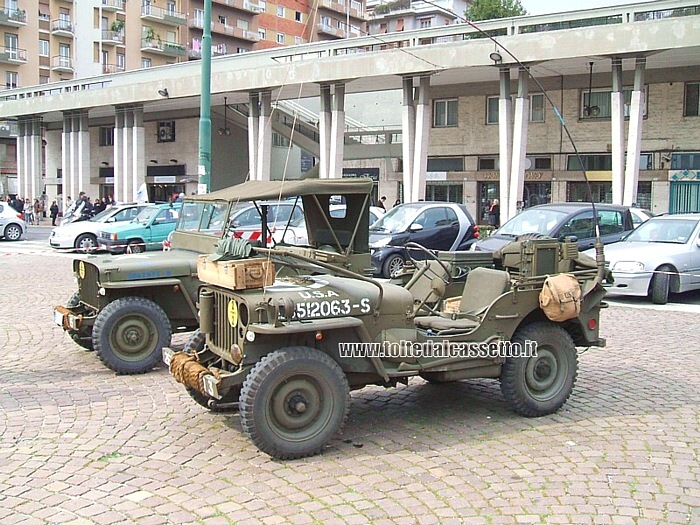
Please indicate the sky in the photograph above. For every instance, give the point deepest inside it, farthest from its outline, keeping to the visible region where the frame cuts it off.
(542, 7)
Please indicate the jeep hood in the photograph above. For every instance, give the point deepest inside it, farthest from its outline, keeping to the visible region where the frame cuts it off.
(147, 265)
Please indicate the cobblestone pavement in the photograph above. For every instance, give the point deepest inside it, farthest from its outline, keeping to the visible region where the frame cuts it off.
(79, 444)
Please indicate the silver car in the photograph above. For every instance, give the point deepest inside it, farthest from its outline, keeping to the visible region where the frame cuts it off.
(12, 225)
(661, 255)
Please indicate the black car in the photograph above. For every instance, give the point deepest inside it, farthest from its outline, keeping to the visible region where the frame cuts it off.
(434, 225)
(567, 219)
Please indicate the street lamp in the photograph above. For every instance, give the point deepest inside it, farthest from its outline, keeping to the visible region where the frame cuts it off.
(204, 167)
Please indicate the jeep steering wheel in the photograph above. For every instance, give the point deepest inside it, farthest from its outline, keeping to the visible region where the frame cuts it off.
(409, 245)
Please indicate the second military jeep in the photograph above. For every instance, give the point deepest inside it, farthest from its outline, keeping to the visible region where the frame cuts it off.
(286, 332)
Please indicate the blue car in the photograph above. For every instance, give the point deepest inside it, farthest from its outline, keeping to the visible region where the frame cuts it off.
(146, 231)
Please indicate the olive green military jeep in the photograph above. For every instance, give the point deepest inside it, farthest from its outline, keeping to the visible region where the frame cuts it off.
(287, 332)
(127, 306)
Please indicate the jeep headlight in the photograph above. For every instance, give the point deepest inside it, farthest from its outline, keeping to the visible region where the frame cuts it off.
(628, 266)
(381, 242)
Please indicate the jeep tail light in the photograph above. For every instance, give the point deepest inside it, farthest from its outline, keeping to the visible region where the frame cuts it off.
(592, 324)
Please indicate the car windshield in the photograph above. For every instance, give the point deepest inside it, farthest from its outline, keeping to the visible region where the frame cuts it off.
(398, 219)
(145, 214)
(533, 220)
(674, 231)
(105, 214)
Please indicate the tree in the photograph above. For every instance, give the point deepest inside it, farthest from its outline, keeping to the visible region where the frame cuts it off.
(492, 9)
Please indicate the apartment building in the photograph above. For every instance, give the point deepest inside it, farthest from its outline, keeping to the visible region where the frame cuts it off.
(405, 15)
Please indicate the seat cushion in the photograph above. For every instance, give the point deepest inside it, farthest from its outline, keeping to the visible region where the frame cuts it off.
(438, 324)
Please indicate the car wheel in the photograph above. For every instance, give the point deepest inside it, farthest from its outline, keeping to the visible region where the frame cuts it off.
(135, 247)
(129, 334)
(393, 265)
(86, 242)
(540, 385)
(293, 402)
(13, 232)
(195, 344)
(660, 285)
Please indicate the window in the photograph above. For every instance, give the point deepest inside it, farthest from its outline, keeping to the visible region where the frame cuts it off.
(243, 24)
(43, 79)
(298, 40)
(445, 164)
(279, 141)
(492, 110)
(537, 107)
(145, 63)
(424, 22)
(280, 11)
(223, 20)
(686, 161)
(541, 163)
(11, 79)
(107, 136)
(297, 16)
(590, 162)
(691, 108)
(43, 48)
(11, 45)
(121, 60)
(199, 17)
(446, 192)
(262, 5)
(600, 103)
(601, 191)
(445, 113)
(166, 131)
(262, 33)
(487, 163)
(170, 7)
(280, 38)
(399, 24)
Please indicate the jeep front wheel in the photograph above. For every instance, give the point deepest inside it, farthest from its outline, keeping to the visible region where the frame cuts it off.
(293, 402)
(129, 333)
(195, 344)
(540, 385)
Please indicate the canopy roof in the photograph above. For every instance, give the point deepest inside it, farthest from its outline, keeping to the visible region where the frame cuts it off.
(270, 190)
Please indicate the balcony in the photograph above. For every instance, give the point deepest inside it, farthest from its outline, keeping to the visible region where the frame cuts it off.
(243, 5)
(160, 47)
(112, 37)
(115, 6)
(223, 29)
(163, 16)
(13, 17)
(62, 27)
(108, 69)
(12, 55)
(340, 7)
(62, 64)
(216, 51)
(329, 30)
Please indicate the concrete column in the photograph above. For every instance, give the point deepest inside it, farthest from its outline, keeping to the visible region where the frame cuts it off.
(265, 136)
(634, 140)
(420, 151)
(408, 132)
(505, 143)
(29, 158)
(337, 142)
(517, 172)
(253, 134)
(138, 155)
(82, 153)
(617, 118)
(22, 157)
(66, 180)
(128, 190)
(76, 187)
(118, 154)
(324, 129)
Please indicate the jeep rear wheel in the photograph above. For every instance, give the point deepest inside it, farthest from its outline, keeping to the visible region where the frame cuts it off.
(293, 402)
(195, 344)
(129, 333)
(540, 385)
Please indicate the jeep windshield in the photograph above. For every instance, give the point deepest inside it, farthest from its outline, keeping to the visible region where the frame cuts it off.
(534, 220)
(203, 217)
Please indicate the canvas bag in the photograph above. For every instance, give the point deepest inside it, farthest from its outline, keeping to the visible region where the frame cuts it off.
(560, 298)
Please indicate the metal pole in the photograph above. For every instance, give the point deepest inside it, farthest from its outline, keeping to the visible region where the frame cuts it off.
(204, 167)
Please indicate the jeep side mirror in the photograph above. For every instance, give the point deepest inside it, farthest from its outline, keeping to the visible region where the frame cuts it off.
(415, 227)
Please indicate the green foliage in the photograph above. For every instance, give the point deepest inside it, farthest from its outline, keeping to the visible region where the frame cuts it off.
(492, 9)
(395, 5)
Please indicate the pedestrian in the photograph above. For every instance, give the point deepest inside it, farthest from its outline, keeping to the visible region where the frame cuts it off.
(54, 212)
(380, 203)
(494, 213)
(396, 203)
(28, 212)
(37, 211)
(69, 204)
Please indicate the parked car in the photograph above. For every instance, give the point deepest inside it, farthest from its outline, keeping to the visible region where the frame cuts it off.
(563, 220)
(245, 218)
(662, 255)
(146, 231)
(12, 225)
(82, 235)
(434, 225)
(640, 215)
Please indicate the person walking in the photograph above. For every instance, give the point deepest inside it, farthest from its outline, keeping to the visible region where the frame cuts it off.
(28, 212)
(53, 212)
(494, 213)
(380, 203)
(38, 210)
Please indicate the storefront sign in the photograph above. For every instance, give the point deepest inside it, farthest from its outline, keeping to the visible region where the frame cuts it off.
(529, 175)
(685, 175)
(164, 179)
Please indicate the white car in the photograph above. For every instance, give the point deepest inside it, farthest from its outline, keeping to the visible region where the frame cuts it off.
(82, 235)
(640, 215)
(296, 234)
(12, 225)
(661, 255)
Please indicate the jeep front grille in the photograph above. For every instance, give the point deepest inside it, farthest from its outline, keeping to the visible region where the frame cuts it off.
(88, 282)
(225, 335)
